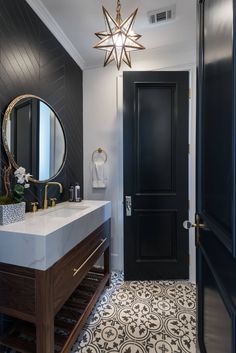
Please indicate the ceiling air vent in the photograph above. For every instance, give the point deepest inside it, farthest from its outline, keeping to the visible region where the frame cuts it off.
(162, 15)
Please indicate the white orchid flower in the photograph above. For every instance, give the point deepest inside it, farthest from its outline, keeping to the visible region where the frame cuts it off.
(27, 176)
(21, 176)
(20, 171)
(20, 179)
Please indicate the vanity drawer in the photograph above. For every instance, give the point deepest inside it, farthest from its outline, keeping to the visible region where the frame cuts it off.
(17, 292)
(68, 272)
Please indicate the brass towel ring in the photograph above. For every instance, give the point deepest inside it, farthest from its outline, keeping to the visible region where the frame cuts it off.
(100, 151)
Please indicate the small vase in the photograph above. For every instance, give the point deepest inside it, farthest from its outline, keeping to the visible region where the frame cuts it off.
(12, 213)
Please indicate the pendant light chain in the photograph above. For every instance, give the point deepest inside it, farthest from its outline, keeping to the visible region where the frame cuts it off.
(118, 7)
(118, 12)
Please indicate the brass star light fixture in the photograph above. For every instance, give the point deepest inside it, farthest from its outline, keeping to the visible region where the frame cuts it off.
(119, 39)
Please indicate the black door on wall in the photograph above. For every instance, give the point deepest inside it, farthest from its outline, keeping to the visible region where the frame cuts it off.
(216, 251)
(155, 175)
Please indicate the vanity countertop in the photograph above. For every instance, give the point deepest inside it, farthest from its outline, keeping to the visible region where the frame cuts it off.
(47, 235)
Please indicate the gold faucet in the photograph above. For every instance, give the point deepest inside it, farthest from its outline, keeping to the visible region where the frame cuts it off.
(45, 203)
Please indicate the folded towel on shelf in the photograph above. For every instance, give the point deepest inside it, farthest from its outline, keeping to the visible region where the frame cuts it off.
(98, 174)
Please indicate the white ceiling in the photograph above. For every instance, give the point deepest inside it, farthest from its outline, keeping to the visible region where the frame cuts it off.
(79, 19)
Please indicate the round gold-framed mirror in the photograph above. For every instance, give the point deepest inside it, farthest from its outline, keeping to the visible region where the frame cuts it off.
(34, 138)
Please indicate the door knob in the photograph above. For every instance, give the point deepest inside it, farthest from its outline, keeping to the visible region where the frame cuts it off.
(187, 225)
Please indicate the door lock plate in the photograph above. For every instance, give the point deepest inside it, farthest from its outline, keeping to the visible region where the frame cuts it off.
(128, 206)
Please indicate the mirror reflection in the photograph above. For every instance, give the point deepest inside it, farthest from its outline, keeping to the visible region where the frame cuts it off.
(35, 138)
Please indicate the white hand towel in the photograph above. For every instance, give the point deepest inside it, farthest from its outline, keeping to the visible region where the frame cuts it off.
(99, 174)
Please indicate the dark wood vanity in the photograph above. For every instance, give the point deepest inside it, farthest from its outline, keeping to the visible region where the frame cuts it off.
(48, 279)
(50, 307)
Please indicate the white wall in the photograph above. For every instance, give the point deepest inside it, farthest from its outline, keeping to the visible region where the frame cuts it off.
(103, 128)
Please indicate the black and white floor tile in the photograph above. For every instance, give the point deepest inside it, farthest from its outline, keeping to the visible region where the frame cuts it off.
(142, 317)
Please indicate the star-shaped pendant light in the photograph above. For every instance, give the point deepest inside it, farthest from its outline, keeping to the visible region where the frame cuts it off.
(118, 40)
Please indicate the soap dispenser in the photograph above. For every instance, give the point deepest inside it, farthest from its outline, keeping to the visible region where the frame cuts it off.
(77, 197)
(71, 193)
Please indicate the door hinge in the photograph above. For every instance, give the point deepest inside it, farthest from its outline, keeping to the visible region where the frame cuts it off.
(189, 93)
(189, 146)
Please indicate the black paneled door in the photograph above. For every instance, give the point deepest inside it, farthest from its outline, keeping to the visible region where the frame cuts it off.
(155, 175)
(216, 251)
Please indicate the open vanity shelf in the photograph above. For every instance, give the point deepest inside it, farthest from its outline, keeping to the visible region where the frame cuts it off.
(50, 307)
(68, 321)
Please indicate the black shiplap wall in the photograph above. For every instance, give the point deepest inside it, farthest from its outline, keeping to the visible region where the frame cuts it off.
(33, 61)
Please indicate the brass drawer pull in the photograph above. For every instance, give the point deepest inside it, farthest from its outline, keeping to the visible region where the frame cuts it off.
(76, 270)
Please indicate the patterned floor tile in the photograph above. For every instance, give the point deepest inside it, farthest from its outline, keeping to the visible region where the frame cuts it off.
(142, 317)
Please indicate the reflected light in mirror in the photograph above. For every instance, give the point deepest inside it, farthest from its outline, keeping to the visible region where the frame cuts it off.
(51, 147)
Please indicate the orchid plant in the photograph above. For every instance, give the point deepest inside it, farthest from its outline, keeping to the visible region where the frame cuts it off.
(22, 183)
(15, 193)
